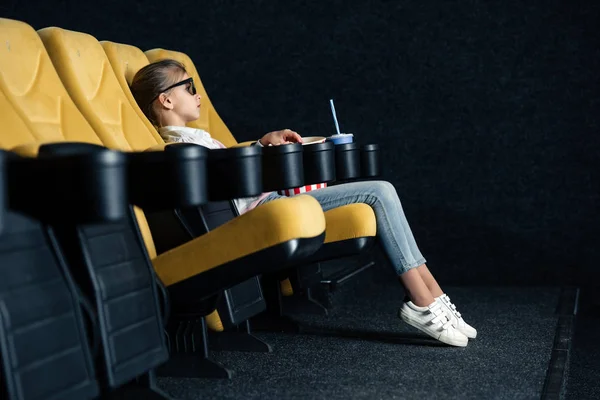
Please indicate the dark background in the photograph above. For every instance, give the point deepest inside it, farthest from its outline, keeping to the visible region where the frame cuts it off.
(488, 112)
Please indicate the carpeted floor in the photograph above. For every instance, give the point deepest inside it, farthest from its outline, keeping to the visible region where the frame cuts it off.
(362, 350)
(584, 370)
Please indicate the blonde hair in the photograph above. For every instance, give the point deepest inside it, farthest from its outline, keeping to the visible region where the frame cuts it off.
(148, 84)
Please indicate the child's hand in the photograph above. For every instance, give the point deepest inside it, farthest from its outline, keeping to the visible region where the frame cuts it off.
(280, 137)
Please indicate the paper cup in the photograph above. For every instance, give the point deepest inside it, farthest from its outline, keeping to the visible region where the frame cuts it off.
(313, 139)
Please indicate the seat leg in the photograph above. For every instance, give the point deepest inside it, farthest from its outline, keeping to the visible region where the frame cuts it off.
(303, 303)
(273, 318)
(191, 358)
(240, 339)
(144, 387)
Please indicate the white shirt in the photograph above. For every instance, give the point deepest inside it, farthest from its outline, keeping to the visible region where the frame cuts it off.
(183, 134)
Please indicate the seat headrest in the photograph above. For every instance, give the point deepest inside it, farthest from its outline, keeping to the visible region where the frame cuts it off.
(83, 67)
(31, 85)
(126, 61)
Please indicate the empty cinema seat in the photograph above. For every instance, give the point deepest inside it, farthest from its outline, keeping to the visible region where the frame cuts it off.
(49, 334)
(44, 349)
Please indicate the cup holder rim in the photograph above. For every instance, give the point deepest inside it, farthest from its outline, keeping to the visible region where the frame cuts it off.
(283, 149)
(370, 147)
(346, 146)
(234, 152)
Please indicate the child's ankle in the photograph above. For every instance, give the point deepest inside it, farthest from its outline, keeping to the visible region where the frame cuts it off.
(419, 301)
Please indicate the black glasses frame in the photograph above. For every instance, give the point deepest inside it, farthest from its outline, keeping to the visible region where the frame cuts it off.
(191, 90)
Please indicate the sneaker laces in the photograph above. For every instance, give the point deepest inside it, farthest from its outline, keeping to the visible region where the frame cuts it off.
(440, 316)
(451, 306)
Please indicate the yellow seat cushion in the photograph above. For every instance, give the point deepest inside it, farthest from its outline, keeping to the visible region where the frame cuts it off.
(350, 222)
(266, 226)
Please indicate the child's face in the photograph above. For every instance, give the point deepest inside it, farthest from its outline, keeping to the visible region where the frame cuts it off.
(185, 104)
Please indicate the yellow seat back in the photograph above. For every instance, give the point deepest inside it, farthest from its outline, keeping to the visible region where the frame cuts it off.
(14, 130)
(29, 83)
(209, 119)
(126, 61)
(38, 108)
(89, 78)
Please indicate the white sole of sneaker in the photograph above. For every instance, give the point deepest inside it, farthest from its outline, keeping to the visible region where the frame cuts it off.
(415, 324)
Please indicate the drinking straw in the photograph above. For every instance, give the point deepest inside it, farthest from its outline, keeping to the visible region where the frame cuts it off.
(337, 126)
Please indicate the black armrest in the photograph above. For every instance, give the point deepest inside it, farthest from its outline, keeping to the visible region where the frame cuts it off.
(283, 167)
(69, 182)
(235, 172)
(353, 161)
(172, 178)
(347, 161)
(65, 149)
(319, 163)
(248, 171)
(370, 164)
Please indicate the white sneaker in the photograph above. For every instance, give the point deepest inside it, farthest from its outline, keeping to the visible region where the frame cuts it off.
(434, 321)
(455, 317)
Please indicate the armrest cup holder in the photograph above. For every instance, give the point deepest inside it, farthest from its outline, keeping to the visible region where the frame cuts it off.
(347, 161)
(175, 177)
(282, 167)
(370, 165)
(319, 163)
(69, 182)
(234, 172)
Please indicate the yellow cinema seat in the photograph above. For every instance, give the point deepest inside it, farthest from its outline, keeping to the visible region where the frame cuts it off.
(30, 84)
(29, 81)
(355, 221)
(343, 223)
(31, 92)
(347, 226)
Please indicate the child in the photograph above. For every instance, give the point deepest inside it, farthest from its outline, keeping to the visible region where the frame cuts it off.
(167, 96)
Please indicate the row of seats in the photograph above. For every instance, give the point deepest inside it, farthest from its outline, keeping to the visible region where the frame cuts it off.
(80, 162)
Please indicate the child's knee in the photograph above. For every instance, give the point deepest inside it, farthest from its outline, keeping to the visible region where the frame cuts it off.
(385, 189)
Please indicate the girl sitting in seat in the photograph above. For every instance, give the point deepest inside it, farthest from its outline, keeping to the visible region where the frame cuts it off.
(167, 96)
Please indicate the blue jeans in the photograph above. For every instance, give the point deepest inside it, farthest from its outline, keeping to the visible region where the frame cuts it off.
(393, 231)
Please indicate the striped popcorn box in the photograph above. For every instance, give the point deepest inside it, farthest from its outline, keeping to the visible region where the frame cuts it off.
(302, 189)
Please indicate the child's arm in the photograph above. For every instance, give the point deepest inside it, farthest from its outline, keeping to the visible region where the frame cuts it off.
(280, 137)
